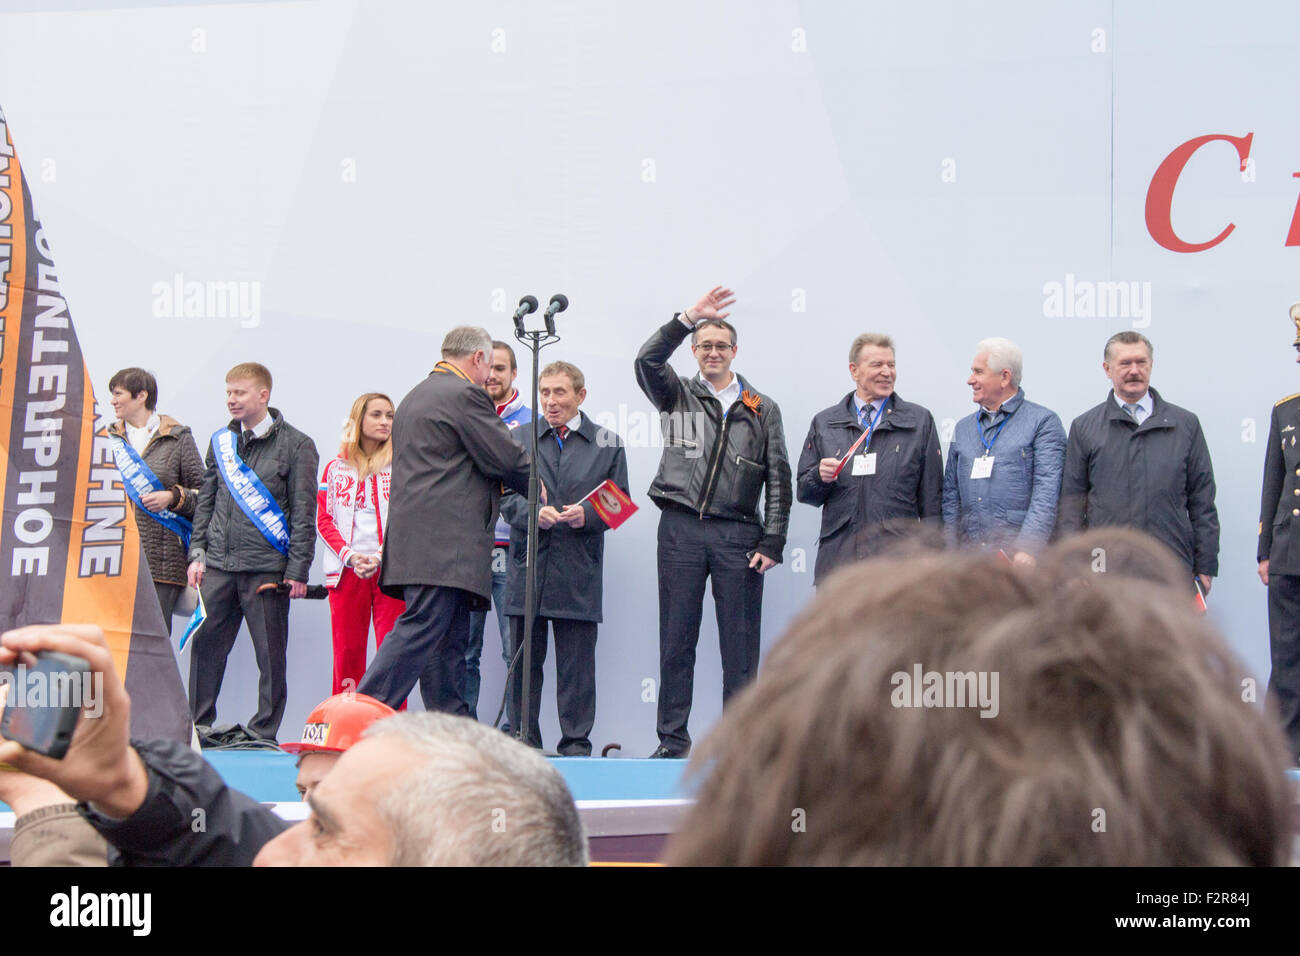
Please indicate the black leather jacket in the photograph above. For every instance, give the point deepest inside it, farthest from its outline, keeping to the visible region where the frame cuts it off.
(716, 461)
(162, 832)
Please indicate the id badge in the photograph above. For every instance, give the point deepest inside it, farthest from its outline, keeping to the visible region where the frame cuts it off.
(982, 468)
(864, 464)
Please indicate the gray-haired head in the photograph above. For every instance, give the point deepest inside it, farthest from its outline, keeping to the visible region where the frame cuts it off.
(1128, 337)
(1003, 354)
(475, 797)
(466, 340)
(868, 338)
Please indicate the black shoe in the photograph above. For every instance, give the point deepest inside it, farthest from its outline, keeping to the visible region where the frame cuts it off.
(662, 752)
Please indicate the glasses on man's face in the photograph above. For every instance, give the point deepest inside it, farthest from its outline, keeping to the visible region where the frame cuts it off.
(722, 348)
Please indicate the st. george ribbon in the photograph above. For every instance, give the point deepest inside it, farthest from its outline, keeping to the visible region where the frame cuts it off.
(536, 340)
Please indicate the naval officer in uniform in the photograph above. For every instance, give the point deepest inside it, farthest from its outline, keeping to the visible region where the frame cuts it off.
(1279, 555)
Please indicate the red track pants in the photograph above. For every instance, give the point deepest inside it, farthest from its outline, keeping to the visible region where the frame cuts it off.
(353, 602)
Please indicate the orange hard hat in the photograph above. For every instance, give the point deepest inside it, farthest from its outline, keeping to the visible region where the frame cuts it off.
(337, 722)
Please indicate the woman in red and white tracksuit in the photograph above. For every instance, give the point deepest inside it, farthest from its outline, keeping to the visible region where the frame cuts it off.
(351, 508)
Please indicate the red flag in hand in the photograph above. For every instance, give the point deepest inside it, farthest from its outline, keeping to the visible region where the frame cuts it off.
(611, 503)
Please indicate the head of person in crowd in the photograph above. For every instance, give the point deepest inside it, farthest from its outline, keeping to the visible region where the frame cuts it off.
(561, 388)
(957, 710)
(368, 436)
(500, 383)
(248, 393)
(332, 727)
(430, 789)
(713, 342)
(469, 348)
(871, 363)
(995, 372)
(1113, 551)
(1127, 361)
(133, 393)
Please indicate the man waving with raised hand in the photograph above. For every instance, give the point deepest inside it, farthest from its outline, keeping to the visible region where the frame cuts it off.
(723, 447)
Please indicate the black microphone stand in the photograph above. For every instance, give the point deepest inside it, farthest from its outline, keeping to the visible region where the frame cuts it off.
(536, 341)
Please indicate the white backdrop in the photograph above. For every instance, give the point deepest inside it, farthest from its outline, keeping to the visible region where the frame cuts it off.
(370, 174)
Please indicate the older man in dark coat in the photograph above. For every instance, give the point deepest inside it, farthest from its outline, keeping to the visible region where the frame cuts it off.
(574, 457)
(451, 455)
(1139, 461)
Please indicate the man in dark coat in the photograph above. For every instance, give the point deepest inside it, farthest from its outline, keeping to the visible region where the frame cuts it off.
(451, 455)
(232, 556)
(894, 481)
(724, 449)
(574, 458)
(1138, 461)
(1279, 555)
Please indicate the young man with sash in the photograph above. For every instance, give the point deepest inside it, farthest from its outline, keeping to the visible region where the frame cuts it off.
(162, 471)
(255, 524)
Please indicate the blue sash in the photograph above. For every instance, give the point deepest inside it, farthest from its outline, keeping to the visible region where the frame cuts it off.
(249, 492)
(139, 479)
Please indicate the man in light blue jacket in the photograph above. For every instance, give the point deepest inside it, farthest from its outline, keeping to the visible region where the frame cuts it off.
(1003, 478)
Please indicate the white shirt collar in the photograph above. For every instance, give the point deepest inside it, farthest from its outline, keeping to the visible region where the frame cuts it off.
(148, 427)
(573, 424)
(1144, 403)
(726, 395)
(875, 403)
(139, 437)
(262, 427)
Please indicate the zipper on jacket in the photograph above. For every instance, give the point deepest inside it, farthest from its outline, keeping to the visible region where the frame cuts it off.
(717, 459)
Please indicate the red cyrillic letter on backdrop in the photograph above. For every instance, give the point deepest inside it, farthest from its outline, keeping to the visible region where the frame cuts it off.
(1160, 195)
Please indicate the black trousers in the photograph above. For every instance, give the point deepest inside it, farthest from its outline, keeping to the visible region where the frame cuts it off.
(231, 597)
(692, 549)
(575, 679)
(168, 595)
(1284, 648)
(426, 644)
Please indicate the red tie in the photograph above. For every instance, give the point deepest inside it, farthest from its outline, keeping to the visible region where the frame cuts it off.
(561, 433)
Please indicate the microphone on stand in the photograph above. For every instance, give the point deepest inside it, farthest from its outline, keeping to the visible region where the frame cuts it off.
(527, 306)
(559, 302)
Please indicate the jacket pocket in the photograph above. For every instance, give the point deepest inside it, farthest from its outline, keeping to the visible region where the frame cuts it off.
(685, 447)
(748, 484)
(1027, 465)
(836, 513)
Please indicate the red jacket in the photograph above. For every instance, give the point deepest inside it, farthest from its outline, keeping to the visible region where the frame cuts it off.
(336, 507)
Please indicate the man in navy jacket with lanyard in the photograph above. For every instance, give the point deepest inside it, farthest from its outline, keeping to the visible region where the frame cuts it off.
(255, 524)
(1003, 478)
(893, 482)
